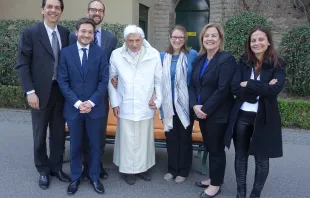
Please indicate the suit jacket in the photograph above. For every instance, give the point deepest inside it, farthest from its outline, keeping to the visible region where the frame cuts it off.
(267, 137)
(76, 86)
(213, 86)
(35, 60)
(108, 41)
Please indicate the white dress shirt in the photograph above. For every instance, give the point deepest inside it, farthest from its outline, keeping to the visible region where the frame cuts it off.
(248, 106)
(50, 37)
(81, 53)
(50, 34)
(98, 36)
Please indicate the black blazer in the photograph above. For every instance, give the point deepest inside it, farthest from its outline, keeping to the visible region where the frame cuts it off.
(267, 137)
(35, 60)
(108, 41)
(214, 86)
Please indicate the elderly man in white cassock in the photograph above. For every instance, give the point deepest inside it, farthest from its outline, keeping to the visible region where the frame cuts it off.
(137, 67)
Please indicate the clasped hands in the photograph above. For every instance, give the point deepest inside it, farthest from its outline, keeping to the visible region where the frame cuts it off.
(272, 82)
(199, 113)
(85, 107)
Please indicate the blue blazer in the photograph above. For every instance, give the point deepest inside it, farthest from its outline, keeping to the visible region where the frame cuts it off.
(74, 86)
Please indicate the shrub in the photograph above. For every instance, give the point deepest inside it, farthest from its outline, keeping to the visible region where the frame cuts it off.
(9, 34)
(295, 49)
(294, 113)
(237, 29)
(12, 97)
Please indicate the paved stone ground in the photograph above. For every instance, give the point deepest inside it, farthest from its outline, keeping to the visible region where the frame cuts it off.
(289, 176)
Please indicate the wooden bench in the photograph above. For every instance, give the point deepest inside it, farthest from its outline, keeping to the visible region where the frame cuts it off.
(159, 136)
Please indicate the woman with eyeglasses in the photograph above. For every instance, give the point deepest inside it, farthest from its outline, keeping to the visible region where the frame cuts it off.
(211, 100)
(255, 123)
(175, 113)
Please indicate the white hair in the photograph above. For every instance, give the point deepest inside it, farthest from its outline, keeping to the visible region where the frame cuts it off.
(133, 29)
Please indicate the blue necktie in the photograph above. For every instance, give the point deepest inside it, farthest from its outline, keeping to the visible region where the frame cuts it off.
(95, 37)
(84, 61)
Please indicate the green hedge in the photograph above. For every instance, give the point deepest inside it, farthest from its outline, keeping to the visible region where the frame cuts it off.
(237, 30)
(12, 97)
(294, 113)
(9, 34)
(295, 49)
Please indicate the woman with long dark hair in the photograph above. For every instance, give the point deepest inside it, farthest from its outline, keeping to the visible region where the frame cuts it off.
(255, 123)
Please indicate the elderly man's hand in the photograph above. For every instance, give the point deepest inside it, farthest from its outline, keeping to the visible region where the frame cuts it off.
(116, 112)
(152, 103)
(114, 81)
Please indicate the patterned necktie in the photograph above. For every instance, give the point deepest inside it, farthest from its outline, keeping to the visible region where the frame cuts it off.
(56, 49)
(84, 61)
(95, 37)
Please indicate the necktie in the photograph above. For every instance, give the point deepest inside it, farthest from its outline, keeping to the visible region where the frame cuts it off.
(95, 37)
(55, 47)
(84, 61)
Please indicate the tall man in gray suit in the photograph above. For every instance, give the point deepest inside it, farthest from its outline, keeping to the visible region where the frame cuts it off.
(108, 41)
(37, 60)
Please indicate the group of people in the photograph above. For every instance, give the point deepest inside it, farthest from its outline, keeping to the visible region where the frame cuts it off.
(72, 77)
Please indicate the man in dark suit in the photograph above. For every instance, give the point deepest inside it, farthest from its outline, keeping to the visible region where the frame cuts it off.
(108, 41)
(38, 52)
(83, 75)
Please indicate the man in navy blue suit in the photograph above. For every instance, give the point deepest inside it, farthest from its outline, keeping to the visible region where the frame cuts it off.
(83, 75)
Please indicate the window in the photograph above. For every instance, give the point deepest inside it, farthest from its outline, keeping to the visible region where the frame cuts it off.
(143, 18)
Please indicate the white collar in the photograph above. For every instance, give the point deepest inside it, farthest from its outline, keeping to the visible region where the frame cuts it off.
(50, 30)
(99, 30)
(80, 46)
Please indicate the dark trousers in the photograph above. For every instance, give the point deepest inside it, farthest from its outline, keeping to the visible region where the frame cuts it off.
(103, 136)
(94, 132)
(213, 138)
(243, 132)
(179, 148)
(50, 116)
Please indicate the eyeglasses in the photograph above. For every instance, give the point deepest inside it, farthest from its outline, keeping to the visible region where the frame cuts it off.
(174, 38)
(94, 10)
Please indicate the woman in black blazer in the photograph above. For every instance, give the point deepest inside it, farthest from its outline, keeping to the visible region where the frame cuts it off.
(211, 99)
(255, 123)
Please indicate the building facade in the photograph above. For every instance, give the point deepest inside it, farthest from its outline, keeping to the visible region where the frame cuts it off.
(283, 14)
(138, 12)
(156, 17)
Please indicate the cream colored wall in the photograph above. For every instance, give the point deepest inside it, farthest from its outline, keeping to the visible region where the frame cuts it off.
(117, 11)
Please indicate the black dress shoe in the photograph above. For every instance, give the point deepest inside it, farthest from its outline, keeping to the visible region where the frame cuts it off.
(201, 185)
(205, 195)
(103, 173)
(130, 179)
(73, 187)
(145, 176)
(61, 176)
(98, 187)
(44, 182)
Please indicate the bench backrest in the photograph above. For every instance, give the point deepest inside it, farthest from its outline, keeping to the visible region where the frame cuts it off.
(157, 122)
